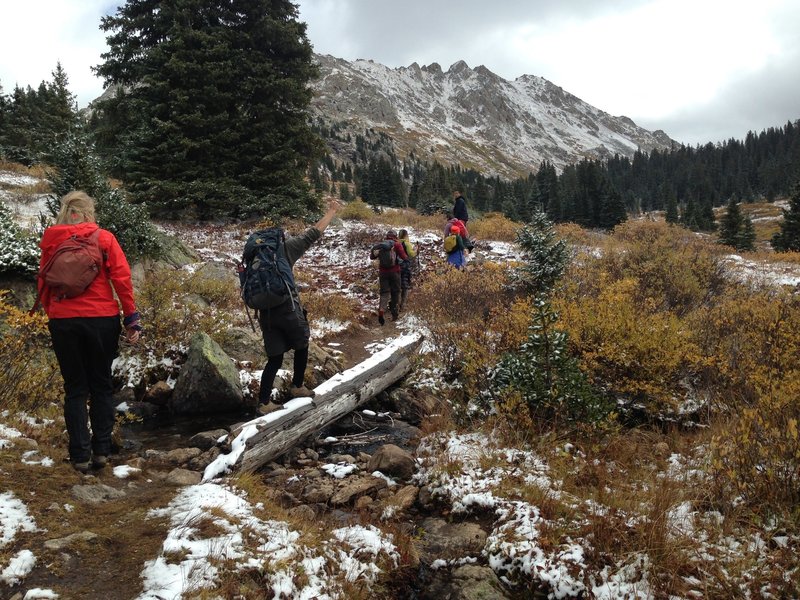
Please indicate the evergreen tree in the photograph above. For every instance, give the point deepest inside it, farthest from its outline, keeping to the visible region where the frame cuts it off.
(788, 238)
(671, 211)
(731, 224)
(211, 108)
(542, 371)
(746, 239)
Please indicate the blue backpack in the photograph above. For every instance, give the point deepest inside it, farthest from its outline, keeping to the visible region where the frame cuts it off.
(265, 273)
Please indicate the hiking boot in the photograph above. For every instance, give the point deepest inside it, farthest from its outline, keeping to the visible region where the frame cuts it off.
(395, 315)
(381, 320)
(300, 392)
(99, 461)
(269, 407)
(81, 467)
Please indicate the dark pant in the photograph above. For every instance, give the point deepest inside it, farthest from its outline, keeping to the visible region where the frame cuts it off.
(284, 328)
(390, 292)
(271, 369)
(85, 348)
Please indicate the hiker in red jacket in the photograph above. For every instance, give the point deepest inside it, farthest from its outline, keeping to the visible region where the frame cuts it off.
(389, 278)
(85, 331)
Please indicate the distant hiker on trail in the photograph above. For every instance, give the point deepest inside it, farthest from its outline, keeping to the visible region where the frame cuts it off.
(284, 325)
(454, 247)
(389, 253)
(460, 207)
(84, 321)
(406, 267)
(462, 230)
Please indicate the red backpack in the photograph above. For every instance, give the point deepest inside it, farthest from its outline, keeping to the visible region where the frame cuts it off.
(73, 267)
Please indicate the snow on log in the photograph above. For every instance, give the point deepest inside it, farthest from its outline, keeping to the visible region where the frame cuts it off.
(263, 439)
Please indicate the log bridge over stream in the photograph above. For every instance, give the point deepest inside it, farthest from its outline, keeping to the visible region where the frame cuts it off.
(257, 442)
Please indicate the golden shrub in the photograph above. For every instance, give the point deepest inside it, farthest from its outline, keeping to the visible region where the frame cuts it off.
(29, 379)
(628, 346)
(473, 317)
(752, 344)
(494, 226)
(673, 266)
(357, 210)
(757, 456)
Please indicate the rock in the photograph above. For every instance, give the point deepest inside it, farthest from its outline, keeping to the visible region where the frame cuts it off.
(205, 440)
(180, 456)
(158, 393)
(303, 513)
(62, 543)
(143, 410)
(200, 463)
(341, 458)
(183, 477)
(208, 381)
(405, 497)
(392, 460)
(97, 493)
(450, 540)
(356, 487)
(413, 405)
(468, 582)
(137, 463)
(363, 503)
(312, 454)
(125, 396)
(245, 345)
(175, 252)
(318, 493)
(425, 498)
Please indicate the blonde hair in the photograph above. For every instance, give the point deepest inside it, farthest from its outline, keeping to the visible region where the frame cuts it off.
(76, 207)
(402, 234)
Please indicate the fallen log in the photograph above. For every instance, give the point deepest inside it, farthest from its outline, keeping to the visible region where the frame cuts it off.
(263, 439)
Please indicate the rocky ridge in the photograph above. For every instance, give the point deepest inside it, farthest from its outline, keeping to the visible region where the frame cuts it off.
(472, 117)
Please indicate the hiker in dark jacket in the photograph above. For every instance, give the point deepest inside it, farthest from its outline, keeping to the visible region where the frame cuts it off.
(85, 332)
(389, 281)
(460, 207)
(285, 327)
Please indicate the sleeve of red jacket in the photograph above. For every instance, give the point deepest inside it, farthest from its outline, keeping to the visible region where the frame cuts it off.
(119, 272)
(400, 251)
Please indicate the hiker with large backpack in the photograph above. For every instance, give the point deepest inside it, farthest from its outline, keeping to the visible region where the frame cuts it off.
(81, 268)
(407, 267)
(454, 247)
(389, 253)
(268, 286)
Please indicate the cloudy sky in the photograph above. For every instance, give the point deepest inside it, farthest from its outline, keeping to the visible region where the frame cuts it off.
(701, 70)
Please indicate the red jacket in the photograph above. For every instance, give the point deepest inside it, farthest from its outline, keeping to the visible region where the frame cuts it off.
(462, 228)
(400, 251)
(98, 300)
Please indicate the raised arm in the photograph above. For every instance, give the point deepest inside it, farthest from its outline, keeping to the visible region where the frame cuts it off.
(326, 219)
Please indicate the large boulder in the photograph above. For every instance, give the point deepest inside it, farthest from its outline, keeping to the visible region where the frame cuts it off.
(392, 460)
(208, 381)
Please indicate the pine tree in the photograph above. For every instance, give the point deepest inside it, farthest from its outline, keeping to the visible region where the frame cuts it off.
(747, 236)
(542, 371)
(731, 224)
(211, 109)
(671, 207)
(788, 238)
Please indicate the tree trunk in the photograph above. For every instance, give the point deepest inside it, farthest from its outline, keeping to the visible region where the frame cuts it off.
(261, 440)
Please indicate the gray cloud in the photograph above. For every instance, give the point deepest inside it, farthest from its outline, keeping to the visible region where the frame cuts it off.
(397, 34)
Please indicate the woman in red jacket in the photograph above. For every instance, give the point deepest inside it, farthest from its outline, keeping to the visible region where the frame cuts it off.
(85, 332)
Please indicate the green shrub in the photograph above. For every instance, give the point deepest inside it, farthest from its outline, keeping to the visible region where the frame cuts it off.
(19, 252)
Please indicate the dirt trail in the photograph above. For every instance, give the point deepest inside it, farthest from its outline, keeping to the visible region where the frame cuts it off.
(121, 538)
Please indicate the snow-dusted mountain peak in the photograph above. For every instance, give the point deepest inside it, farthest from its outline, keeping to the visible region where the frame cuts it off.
(473, 117)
